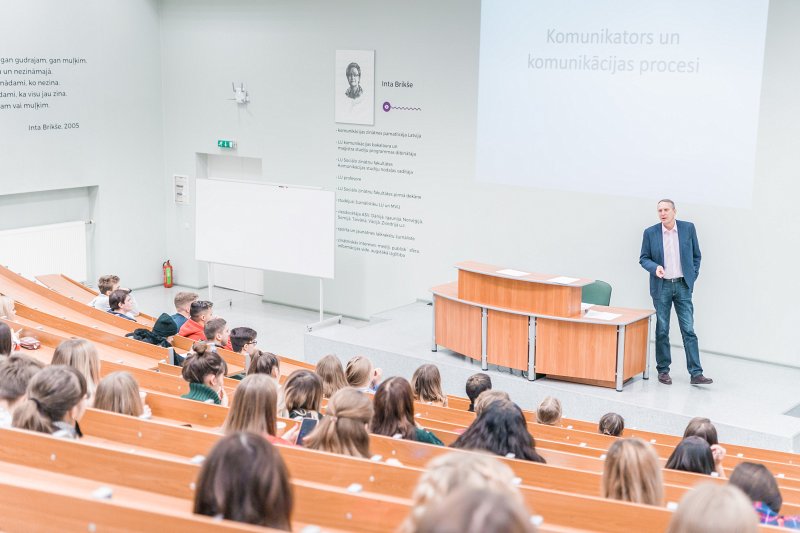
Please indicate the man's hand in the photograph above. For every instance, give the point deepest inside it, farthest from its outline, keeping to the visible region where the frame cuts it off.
(660, 271)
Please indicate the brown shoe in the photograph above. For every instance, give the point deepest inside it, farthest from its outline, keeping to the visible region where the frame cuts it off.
(700, 379)
(665, 379)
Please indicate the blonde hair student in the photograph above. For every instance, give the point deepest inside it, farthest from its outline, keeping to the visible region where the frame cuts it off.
(712, 508)
(361, 374)
(81, 355)
(119, 393)
(330, 370)
(426, 382)
(632, 473)
(549, 411)
(344, 428)
(302, 394)
(255, 408)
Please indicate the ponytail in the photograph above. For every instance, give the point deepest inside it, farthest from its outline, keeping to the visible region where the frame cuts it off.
(343, 429)
(52, 392)
(202, 361)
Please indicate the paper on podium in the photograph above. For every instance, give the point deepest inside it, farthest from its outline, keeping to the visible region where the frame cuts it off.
(601, 315)
(585, 307)
(512, 272)
(563, 280)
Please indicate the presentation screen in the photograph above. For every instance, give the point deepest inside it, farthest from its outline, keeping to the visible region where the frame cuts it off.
(635, 97)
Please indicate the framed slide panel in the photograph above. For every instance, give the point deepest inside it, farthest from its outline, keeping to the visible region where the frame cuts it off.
(458, 327)
(507, 340)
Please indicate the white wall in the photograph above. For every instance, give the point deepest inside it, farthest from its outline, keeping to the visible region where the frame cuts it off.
(116, 99)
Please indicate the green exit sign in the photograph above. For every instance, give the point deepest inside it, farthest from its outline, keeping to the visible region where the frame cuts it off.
(222, 143)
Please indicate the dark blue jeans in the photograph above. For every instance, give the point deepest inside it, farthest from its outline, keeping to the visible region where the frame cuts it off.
(679, 294)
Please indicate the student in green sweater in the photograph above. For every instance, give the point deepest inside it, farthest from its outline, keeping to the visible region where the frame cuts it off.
(204, 369)
(394, 413)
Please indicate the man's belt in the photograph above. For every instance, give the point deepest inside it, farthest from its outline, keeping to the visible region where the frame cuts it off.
(674, 280)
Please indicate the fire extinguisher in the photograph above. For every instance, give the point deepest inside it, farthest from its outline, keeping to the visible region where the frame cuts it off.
(166, 267)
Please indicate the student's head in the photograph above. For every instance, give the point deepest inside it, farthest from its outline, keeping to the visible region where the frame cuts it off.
(427, 385)
(302, 391)
(692, 454)
(16, 373)
(205, 366)
(758, 484)
(703, 428)
(244, 479)
(611, 424)
(6, 339)
(394, 409)
(712, 508)
(452, 471)
(216, 331)
(343, 430)
(118, 392)
(489, 396)
(7, 308)
(243, 339)
(183, 300)
(476, 384)
(549, 411)
(632, 473)
(81, 355)
(330, 370)
(359, 372)
(255, 406)
(120, 301)
(55, 394)
(165, 327)
(470, 510)
(201, 310)
(264, 363)
(107, 283)
(500, 428)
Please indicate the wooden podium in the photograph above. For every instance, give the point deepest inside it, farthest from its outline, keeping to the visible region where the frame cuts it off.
(534, 322)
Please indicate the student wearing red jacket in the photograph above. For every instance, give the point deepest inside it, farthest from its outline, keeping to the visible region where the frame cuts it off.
(200, 312)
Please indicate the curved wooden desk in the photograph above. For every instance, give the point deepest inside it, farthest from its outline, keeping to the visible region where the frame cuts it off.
(529, 322)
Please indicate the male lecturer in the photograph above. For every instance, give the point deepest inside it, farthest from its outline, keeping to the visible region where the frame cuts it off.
(671, 254)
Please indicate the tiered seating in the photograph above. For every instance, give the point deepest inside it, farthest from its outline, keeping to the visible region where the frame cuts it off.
(151, 460)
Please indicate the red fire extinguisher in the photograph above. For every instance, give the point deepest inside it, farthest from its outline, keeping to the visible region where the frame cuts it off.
(166, 267)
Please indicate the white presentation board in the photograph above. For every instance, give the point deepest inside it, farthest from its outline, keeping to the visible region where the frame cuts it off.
(265, 226)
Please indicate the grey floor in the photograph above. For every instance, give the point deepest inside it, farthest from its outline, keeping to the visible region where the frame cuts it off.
(747, 402)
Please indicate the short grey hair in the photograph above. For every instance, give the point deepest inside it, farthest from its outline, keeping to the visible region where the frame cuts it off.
(668, 201)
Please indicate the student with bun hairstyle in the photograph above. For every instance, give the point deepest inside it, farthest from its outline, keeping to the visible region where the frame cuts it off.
(760, 486)
(55, 402)
(343, 430)
(302, 395)
(16, 373)
(81, 355)
(204, 369)
(426, 382)
(611, 424)
(245, 479)
(118, 392)
(330, 370)
(632, 473)
(361, 374)
(394, 413)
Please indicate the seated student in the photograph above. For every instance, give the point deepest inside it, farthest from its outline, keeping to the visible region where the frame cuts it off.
(245, 479)
(712, 508)
(330, 370)
(426, 382)
(487, 397)
(344, 428)
(394, 413)
(204, 369)
(217, 333)
(200, 312)
(703, 428)
(469, 510)
(450, 472)
(81, 355)
(632, 473)
(15, 374)
(255, 408)
(501, 429)
(693, 454)
(119, 393)
(8, 311)
(162, 334)
(120, 304)
(760, 486)
(476, 384)
(265, 363)
(106, 285)
(361, 375)
(6, 340)
(55, 402)
(549, 412)
(611, 424)
(183, 300)
(302, 395)
(243, 341)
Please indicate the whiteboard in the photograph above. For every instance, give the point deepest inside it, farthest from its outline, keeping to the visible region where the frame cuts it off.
(265, 226)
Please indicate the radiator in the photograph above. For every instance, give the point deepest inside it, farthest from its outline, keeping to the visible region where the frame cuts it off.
(51, 249)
